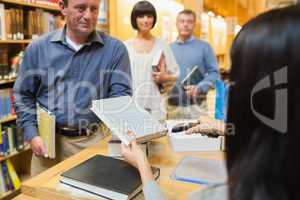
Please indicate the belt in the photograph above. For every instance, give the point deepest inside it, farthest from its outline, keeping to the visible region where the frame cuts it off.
(73, 132)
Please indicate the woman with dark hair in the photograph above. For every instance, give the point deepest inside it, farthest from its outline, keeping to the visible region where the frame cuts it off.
(143, 49)
(262, 154)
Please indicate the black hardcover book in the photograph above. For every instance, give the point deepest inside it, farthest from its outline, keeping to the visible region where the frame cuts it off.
(105, 176)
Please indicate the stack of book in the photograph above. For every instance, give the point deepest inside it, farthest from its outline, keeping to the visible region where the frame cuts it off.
(106, 177)
(9, 178)
(6, 102)
(11, 140)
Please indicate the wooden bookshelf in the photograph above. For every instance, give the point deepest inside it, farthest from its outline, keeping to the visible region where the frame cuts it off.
(8, 119)
(3, 82)
(2, 158)
(34, 5)
(15, 41)
(10, 194)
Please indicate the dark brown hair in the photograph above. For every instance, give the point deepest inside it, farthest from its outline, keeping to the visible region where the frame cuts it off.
(142, 8)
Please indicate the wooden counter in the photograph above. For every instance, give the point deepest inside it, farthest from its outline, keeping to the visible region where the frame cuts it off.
(24, 197)
(46, 186)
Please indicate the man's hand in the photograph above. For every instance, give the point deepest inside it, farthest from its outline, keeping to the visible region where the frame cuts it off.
(37, 146)
(192, 92)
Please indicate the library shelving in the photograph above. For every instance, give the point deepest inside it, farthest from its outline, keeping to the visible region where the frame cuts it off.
(24, 20)
(50, 7)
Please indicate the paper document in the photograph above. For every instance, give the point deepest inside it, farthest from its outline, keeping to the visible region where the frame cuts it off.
(200, 171)
(46, 127)
(123, 114)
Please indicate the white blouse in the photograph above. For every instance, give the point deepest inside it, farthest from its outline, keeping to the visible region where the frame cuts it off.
(145, 90)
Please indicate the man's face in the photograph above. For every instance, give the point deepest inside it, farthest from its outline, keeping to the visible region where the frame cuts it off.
(81, 16)
(185, 24)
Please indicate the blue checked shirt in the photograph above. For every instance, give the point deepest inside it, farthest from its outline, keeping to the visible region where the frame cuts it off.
(65, 81)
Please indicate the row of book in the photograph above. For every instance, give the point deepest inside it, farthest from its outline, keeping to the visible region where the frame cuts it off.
(9, 180)
(42, 2)
(9, 67)
(12, 140)
(6, 103)
(16, 24)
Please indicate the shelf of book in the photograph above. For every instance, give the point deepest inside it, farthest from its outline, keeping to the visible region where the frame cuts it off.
(2, 82)
(34, 5)
(2, 158)
(15, 41)
(8, 119)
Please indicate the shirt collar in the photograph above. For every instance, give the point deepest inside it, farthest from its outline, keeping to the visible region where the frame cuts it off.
(60, 36)
(188, 40)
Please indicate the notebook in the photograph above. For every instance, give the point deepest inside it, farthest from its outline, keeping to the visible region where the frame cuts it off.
(200, 171)
(107, 177)
(46, 127)
(123, 114)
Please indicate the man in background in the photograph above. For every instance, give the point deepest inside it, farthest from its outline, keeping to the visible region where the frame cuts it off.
(189, 100)
(63, 71)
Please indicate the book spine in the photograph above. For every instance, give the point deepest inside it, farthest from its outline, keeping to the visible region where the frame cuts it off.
(1, 143)
(2, 22)
(8, 182)
(20, 139)
(11, 144)
(3, 188)
(13, 175)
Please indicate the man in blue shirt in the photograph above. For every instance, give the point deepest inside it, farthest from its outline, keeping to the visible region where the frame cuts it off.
(188, 101)
(64, 71)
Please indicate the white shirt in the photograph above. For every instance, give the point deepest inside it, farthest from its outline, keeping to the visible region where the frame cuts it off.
(145, 90)
(75, 46)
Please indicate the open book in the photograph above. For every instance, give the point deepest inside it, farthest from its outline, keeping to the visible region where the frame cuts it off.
(123, 114)
(46, 127)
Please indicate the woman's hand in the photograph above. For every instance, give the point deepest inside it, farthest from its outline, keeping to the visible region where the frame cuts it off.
(160, 77)
(134, 155)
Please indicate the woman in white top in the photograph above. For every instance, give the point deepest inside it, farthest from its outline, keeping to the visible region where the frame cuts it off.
(143, 50)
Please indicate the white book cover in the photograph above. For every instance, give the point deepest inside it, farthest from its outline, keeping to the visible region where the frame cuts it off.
(123, 114)
(157, 57)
